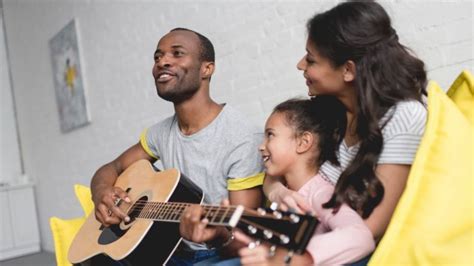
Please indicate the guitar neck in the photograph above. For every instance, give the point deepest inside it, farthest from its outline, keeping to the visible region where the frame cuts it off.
(172, 212)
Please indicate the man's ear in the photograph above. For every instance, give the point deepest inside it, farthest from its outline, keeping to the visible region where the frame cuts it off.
(349, 71)
(305, 142)
(207, 69)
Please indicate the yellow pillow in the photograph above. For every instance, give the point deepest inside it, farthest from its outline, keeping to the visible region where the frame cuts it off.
(63, 234)
(84, 196)
(462, 94)
(434, 220)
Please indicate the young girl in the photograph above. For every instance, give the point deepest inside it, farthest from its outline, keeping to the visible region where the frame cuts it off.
(299, 136)
(353, 53)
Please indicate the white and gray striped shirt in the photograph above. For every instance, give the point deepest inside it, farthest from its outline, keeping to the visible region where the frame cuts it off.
(401, 138)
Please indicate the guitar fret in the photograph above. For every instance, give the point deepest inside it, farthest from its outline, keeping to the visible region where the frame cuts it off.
(149, 210)
(166, 212)
(225, 214)
(215, 215)
(144, 211)
(156, 209)
(182, 206)
(208, 211)
(175, 212)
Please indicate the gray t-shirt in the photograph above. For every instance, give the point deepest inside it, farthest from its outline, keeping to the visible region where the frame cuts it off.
(401, 138)
(220, 157)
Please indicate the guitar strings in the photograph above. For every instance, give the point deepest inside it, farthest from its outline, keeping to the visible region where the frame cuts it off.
(172, 211)
(166, 210)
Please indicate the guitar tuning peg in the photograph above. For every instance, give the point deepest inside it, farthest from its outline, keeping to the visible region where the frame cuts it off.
(252, 230)
(272, 251)
(284, 239)
(267, 234)
(261, 211)
(294, 218)
(277, 214)
(274, 206)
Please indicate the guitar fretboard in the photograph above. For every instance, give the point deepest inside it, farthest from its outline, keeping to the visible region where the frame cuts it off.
(172, 212)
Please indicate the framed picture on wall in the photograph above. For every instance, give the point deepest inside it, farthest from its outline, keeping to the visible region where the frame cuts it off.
(68, 79)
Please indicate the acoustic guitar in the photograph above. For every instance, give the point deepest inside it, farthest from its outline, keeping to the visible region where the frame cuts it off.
(158, 200)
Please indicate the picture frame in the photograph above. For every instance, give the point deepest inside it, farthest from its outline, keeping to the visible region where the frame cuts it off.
(68, 79)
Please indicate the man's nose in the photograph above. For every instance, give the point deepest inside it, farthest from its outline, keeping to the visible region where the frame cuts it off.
(164, 61)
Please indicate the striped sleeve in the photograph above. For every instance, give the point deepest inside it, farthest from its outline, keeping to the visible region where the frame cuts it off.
(403, 133)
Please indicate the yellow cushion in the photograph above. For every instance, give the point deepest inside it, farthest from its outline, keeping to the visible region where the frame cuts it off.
(84, 196)
(63, 234)
(434, 220)
(462, 94)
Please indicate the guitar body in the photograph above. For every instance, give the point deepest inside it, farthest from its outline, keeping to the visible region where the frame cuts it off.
(141, 241)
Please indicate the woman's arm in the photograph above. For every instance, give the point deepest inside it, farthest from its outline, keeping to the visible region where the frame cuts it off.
(393, 178)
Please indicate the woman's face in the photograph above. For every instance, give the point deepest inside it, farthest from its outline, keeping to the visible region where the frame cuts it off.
(321, 77)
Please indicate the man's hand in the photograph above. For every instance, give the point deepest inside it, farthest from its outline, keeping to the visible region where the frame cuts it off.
(106, 210)
(195, 229)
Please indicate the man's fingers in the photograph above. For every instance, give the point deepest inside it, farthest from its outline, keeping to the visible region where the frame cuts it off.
(112, 220)
(225, 202)
(117, 212)
(121, 194)
(195, 211)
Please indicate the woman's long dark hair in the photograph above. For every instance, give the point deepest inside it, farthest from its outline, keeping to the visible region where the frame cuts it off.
(386, 73)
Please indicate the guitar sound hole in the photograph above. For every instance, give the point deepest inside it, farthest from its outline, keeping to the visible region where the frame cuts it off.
(136, 209)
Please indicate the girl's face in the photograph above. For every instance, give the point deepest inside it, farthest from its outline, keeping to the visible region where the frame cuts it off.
(321, 77)
(279, 146)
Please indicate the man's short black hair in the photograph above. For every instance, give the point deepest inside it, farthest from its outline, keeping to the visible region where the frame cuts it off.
(207, 49)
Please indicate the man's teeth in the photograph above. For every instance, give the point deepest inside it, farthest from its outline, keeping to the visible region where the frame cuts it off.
(164, 76)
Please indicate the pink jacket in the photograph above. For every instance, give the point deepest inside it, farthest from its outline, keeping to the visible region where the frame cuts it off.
(340, 238)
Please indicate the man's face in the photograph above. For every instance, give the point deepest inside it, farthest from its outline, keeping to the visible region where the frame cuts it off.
(177, 68)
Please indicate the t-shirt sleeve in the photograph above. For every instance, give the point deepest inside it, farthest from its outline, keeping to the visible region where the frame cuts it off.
(148, 143)
(402, 134)
(244, 164)
(345, 237)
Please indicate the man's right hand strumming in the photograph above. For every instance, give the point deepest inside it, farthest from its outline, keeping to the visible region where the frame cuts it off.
(106, 200)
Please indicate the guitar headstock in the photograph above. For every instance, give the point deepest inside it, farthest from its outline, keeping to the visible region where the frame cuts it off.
(286, 229)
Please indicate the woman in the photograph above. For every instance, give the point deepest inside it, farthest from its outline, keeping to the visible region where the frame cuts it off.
(353, 53)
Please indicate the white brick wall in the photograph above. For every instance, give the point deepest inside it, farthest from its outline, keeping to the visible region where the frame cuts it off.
(258, 45)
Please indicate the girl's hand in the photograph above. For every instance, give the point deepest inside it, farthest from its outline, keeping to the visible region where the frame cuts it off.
(259, 254)
(286, 198)
(292, 200)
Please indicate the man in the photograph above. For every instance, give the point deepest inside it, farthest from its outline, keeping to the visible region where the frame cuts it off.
(210, 143)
